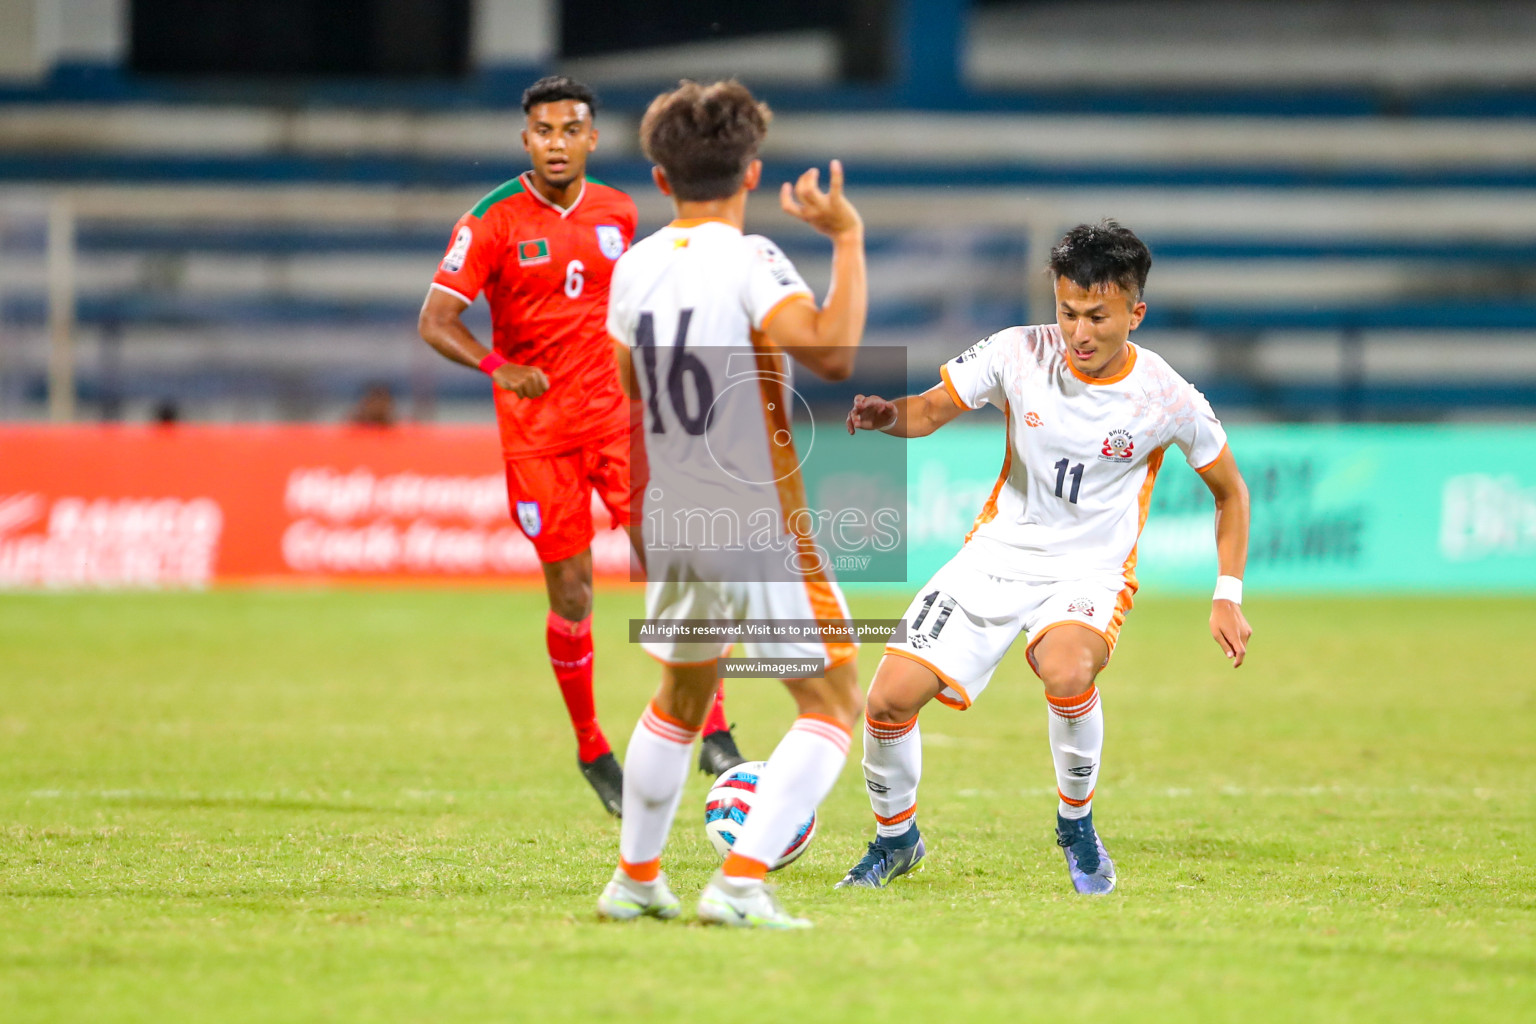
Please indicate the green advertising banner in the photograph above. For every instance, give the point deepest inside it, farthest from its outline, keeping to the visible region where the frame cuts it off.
(1335, 508)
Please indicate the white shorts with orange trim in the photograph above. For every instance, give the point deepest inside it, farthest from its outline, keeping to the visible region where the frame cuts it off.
(964, 619)
(819, 600)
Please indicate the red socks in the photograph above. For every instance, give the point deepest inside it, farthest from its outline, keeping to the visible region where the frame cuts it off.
(715, 722)
(570, 654)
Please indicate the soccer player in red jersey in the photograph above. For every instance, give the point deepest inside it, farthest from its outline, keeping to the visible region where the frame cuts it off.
(542, 248)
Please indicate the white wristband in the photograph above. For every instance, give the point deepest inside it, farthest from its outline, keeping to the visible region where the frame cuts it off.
(1228, 588)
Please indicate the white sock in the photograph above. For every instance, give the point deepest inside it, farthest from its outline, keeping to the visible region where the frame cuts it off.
(794, 782)
(655, 767)
(1077, 741)
(893, 764)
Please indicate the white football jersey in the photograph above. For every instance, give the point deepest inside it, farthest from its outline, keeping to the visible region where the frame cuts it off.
(1082, 453)
(691, 301)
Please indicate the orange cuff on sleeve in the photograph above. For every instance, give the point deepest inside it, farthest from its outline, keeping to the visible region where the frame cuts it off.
(949, 386)
(1208, 465)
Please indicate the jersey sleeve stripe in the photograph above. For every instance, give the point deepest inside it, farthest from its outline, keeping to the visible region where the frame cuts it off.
(949, 386)
(823, 597)
(456, 294)
(1208, 465)
(989, 510)
(779, 306)
(824, 603)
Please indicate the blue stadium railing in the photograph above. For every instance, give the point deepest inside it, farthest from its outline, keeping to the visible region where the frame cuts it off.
(375, 170)
(1353, 394)
(500, 88)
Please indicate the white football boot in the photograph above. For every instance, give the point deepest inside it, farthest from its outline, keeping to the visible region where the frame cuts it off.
(625, 899)
(744, 903)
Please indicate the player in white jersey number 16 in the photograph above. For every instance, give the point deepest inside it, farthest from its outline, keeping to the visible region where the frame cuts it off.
(702, 274)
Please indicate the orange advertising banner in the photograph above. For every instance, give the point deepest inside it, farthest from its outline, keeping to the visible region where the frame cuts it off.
(189, 506)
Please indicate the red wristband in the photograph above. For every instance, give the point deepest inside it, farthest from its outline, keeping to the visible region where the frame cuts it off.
(492, 362)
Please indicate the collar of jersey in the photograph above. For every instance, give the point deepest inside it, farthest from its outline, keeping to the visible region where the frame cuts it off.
(694, 222)
(564, 211)
(1130, 364)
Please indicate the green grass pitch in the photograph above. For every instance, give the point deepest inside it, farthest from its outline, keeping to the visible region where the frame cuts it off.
(363, 806)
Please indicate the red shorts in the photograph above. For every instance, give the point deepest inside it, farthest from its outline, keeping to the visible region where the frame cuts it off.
(551, 495)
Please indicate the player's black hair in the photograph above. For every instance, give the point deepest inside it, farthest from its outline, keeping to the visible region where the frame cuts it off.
(553, 89)
(1094, 255)
(705, 137)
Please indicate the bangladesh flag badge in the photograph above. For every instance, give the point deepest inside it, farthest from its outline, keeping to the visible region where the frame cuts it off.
(533, 252)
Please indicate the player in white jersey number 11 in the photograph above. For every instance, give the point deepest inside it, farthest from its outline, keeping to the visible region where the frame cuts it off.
(1052, 554)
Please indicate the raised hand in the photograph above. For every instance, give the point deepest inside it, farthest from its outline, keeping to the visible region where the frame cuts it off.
(527, 381)
(829, 212)
(870, 412)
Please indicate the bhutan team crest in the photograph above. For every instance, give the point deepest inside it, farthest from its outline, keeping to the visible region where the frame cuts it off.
(1118, 447)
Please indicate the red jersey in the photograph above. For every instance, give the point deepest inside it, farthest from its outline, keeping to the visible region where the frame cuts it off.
(545, 273)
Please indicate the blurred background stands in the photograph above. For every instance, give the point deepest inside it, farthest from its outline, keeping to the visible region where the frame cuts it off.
(238, 213)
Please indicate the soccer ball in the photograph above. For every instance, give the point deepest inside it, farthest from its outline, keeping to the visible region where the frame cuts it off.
(730, 801)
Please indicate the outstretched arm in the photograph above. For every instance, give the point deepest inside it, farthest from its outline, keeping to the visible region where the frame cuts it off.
(441, 327)
(826, 340)
(1228, 626)
(912, 416)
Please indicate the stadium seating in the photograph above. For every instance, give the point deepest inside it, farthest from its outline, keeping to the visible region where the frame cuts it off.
(1315, 258)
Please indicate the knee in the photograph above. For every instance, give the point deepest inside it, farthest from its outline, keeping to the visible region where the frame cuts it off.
(893, 703)
(570, 595)
(900, 690)
(1068, 660)
(884, 706)
(1067, 677)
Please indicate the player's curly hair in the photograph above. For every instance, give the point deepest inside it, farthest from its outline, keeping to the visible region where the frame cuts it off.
(553, 89)
(704, 137)
(1094, 255)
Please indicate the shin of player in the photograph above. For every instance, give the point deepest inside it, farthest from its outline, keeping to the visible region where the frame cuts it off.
(690, 303)
(1052, 554)
(799, 773)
